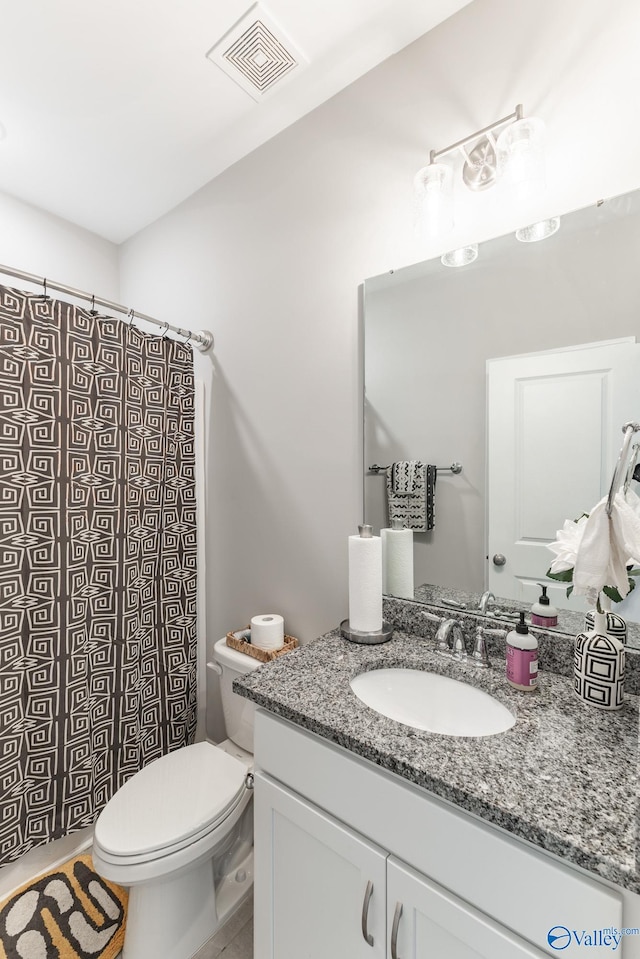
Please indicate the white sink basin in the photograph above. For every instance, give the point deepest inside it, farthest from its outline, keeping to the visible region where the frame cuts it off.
(428, 701)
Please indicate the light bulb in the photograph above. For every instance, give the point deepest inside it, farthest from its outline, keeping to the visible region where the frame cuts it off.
(433, 186)
(462, 257)
(538, 231)
(520, 152)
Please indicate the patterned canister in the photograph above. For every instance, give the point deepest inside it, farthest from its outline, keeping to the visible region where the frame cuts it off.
(615, 624)
(599, 666)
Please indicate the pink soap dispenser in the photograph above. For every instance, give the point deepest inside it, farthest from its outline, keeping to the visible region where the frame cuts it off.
(522, 658)
(542, 612)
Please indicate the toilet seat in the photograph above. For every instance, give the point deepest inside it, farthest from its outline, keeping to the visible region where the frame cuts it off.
(171, 803)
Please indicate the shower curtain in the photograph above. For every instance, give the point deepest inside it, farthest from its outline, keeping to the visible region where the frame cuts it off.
(97, 561)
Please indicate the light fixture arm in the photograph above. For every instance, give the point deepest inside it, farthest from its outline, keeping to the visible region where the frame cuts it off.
(517, 114)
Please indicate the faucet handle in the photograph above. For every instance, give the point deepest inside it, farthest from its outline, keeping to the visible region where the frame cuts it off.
(480, 656)
(458, 647)
(432, 617)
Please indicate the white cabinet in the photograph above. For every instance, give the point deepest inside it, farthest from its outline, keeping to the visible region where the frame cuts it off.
(324, 892)
(426, 921)
(319, 887)
(328, 822)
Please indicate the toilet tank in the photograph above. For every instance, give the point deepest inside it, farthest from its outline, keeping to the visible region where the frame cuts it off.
(238, 712)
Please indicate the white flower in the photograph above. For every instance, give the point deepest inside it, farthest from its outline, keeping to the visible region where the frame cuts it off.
(567, 544)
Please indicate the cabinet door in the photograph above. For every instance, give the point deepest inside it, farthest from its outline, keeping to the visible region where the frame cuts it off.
(320, 889)
(426, 922)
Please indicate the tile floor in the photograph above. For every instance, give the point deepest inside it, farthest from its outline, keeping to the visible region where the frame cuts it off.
(235, 939)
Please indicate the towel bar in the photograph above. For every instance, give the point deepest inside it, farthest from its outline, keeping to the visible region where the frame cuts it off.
(454, 468)
(628, 429)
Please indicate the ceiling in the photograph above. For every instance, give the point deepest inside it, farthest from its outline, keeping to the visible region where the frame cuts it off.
(111, 113)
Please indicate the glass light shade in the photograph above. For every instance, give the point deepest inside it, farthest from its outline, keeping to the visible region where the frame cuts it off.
(538, 231)
(520, 154)
(462, 257)
(433, 186)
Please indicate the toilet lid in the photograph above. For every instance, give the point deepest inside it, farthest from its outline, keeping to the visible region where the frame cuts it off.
(170, 800)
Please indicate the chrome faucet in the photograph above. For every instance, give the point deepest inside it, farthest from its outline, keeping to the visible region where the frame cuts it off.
(486, 598)
(450, 640)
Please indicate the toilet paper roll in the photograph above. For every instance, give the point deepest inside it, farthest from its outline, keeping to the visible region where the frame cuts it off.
(365, 583)
(267, 631)
(397, 562)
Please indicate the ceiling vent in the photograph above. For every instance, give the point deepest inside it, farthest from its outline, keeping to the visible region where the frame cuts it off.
(257, 54)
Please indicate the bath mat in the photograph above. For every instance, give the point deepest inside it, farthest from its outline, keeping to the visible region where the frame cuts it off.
(68, 913)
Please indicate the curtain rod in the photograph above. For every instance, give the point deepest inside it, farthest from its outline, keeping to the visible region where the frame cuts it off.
(203, 340)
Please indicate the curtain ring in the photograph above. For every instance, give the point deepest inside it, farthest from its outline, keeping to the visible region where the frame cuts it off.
(45, 295)
(188, 339)
(131, 316)
(165, 331)
(93, 310)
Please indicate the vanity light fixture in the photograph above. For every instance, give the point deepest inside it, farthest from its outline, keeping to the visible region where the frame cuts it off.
(515, 155)
(462, 257)
(538, 231)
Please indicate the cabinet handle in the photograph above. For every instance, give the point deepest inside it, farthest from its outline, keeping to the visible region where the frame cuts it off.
(365, 913)
(394, 931)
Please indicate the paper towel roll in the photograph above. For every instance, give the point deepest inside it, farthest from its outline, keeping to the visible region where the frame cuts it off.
(365, 583)
(397, 562)
(267, 631)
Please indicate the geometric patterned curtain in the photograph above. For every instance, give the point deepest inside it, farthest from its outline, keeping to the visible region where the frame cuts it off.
(97, 562)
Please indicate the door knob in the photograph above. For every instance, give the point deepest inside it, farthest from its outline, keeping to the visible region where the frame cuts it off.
(499, 559)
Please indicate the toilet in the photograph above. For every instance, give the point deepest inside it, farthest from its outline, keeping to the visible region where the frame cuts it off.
(179, 833)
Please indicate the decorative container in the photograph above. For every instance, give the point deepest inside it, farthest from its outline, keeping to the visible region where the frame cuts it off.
(615, 624)
(599, 666)
(241, 640)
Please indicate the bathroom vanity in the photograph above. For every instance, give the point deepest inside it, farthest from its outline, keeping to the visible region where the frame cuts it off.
(374, 839)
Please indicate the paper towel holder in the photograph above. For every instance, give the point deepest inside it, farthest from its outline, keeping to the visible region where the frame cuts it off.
(368, 637)
(382, 635)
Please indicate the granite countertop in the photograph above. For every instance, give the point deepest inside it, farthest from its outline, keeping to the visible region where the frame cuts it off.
(565, 777)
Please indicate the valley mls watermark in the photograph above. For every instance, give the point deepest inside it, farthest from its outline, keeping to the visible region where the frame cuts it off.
(559, 937)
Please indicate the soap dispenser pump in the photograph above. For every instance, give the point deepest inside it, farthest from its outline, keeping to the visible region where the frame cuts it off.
(522, 658)
(542, 612)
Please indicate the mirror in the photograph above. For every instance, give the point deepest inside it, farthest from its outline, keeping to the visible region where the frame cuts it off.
(429, 331)
(504, 613)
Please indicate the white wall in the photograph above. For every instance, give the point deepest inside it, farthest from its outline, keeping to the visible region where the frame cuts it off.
(270, 256)
(40, 243)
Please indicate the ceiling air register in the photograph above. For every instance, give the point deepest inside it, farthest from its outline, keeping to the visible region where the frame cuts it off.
(256, 54)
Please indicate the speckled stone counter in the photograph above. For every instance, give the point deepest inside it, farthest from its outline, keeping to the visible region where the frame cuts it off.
(555, 648)
(565, 777)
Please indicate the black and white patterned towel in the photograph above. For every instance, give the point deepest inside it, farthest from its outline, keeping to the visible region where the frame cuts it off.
(411, 493)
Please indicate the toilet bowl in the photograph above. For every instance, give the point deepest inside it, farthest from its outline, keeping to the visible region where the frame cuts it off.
(179, 834)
